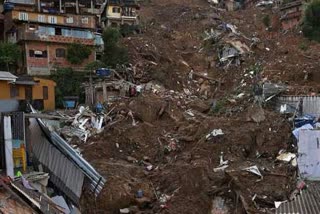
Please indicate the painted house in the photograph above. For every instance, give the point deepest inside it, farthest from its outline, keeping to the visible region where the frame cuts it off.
(119, 12)
(291, 14)
(40, 92)
(44, 30)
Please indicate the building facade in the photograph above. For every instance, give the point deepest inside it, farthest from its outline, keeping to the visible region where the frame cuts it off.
(38, 91)
(44, 30)
(120, 12)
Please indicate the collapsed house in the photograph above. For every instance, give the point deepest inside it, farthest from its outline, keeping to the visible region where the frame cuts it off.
(27, 141)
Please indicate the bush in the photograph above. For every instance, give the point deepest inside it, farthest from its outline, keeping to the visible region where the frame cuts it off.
(114, 54)
(266, 20)
(10, 54)
(68, 84)
(76, 53)
(311, 22)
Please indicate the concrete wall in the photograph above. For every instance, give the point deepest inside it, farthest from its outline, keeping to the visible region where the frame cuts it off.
(5, 91)
(9, 105)
(37, 91)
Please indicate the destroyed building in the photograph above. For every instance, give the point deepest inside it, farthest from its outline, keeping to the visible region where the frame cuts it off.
(291, 14)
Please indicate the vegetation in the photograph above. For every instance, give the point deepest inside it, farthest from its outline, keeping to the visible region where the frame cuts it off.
(311, 22)
(114, 54)
(266, 20)
(77, 52)
(68, 84)
(127, 30)
(10, 55)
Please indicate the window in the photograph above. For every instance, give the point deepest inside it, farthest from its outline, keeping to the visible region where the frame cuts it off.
(58, 31)
(116, 10)
(23, 16)
(41, 18)
(31, 53)
(14, 91)
(32, 27)
(60, 52)
(46, 30)
(52, 19)
(38, 54)
(69, 20)
(85, 20)
(45, 92)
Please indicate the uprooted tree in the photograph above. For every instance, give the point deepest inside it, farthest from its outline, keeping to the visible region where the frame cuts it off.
(114, 54)
(9, 55)
(311, 22)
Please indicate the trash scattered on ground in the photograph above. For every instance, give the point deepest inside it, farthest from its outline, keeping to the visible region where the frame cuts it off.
(253, 169)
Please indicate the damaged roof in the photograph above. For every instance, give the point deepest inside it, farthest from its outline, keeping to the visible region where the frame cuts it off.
(306, 203)
(68, 170)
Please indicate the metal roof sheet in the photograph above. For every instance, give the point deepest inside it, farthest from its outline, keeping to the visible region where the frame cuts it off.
(308, 202)
(7, 76)
(95, 180)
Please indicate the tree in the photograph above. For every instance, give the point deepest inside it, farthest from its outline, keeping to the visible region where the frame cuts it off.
(77, 52)
(9, 55)
(114, 54)
(68, 84)
(311, 22)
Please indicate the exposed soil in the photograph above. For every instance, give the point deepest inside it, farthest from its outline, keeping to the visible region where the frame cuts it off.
(174, 142)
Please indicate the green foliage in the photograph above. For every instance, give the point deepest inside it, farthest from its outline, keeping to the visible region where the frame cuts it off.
(92, 66)
(127, 30)
(9, 55)
(77, 52)
(311, 23)
(219, 106)
(114, 54)
(266, 20)
(68, 84)
(303, 46)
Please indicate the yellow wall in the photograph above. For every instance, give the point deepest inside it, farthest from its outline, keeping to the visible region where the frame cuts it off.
(5, 91)
(111, 13)
(37, 93)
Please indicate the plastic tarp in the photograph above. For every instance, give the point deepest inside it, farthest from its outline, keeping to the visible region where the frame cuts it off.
(309, 154)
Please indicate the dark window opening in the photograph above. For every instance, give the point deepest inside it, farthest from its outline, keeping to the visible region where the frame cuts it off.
(31, 53)
(60, 52)
(14, 91)
(58, 31)
(45, 92)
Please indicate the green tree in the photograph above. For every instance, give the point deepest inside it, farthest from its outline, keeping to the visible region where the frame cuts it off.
(77, 52)
(114, 54)
(311, 22)
(68, 84)
(9, 55)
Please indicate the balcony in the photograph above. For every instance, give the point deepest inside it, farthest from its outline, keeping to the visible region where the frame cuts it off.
(70, 20)
(31, 36)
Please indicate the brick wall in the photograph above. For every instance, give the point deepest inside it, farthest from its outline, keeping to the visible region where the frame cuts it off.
(51, 61)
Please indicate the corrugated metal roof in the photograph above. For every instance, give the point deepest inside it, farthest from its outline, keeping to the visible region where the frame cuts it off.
(310, 104)
(64, 174)
(308, 202)
(7, 76)
(95, 180)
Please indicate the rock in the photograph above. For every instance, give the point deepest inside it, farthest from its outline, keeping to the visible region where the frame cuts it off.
(125, 210)
(131, 159)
